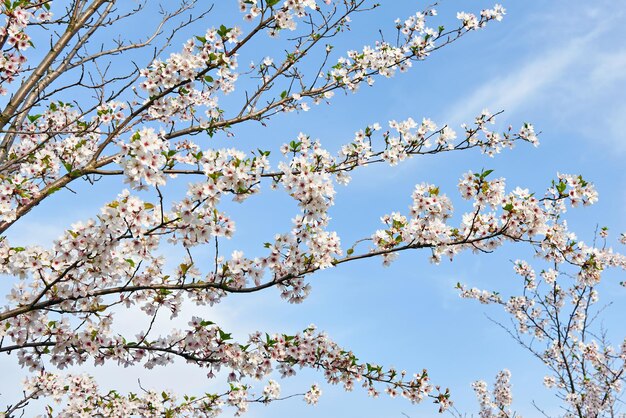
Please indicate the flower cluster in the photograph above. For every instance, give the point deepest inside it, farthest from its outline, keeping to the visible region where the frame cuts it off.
(471, 22)
(291, 9)
(181, 73)
(496, 404)
(110, 112)
(255, 360)
(418, 41)
(17, 18)
(522, 217)
(575, 189)
(39, 158)
(147, 155)
(80, 397)
(557, 318)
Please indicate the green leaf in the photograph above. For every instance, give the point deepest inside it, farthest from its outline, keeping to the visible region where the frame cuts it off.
(224, 336)
(272, 3)
(283, 94)
(184, 268)
(223, 31)
(100, 308)
(215, 175)
(485, 173)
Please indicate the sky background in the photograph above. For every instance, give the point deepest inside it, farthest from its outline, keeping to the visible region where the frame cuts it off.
(560, 65)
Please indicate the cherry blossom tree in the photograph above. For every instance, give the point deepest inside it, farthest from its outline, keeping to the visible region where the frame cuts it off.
(69, 115)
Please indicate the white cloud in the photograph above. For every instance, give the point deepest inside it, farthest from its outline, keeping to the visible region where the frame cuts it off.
(609, 69)
(578, 85)
(525, 85)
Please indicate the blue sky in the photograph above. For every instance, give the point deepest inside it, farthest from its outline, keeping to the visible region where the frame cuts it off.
(560, 65)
